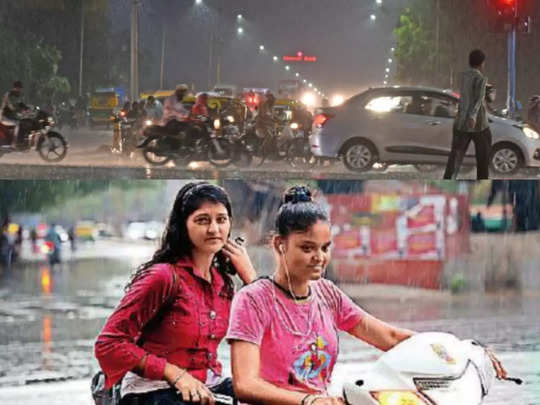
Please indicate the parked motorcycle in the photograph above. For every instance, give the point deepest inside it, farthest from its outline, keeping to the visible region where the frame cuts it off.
(299, 151)
(37, 133)
(426, 369)
(242, 155)
(198, 140)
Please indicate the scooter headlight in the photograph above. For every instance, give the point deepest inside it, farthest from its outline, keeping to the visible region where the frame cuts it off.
(531, 133)
(397, 398)
(294, 125)
(148, 123)
(230, 119)
(217, 123)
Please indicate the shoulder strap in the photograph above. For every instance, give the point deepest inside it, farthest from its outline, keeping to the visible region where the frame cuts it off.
(163, 309)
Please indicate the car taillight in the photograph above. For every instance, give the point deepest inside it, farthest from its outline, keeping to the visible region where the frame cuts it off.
(321, 119)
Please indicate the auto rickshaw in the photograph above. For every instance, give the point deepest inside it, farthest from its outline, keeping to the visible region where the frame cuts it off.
(103, 104)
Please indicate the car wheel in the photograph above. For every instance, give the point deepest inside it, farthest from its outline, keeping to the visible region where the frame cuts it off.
(359, 155)
(506, 159)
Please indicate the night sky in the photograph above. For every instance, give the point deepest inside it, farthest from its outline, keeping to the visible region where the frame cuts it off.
(351, 49)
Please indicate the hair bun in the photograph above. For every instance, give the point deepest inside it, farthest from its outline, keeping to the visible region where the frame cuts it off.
(297, 194)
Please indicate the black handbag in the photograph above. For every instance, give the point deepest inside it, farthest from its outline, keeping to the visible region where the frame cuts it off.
(101, 395)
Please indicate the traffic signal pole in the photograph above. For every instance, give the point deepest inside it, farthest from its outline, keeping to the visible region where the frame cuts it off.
(134, 76)
(512, 39)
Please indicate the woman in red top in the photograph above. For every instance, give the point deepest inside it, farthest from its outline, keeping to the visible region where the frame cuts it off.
(200, 107)
(161, 341)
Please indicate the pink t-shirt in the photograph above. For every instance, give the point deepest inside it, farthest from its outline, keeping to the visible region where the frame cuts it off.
(298, 342)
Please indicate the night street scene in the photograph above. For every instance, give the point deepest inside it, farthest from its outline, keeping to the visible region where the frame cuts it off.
(455, 257)
(233, 202)
(373, 89)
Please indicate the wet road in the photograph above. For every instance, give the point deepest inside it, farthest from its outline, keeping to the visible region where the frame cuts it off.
(90, 156)
(50, 318)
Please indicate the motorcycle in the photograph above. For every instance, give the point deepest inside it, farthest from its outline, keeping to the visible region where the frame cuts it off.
(242, 155)
(298, 151)
(37, 133)
(426, 369)
(128, 135)
(198, 140)
(287, 142)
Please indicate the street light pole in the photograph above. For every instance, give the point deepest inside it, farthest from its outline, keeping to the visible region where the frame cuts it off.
(81, 51)
(134, 83)
(163, 42)
(210, 59)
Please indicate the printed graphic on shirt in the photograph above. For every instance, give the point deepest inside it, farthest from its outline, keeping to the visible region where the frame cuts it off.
(314, 363)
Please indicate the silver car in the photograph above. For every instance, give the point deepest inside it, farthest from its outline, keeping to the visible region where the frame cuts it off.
(412, 125)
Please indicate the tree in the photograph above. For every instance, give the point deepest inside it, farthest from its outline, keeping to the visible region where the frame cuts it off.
(36, 195)
(463, 25)
(36, 64)
(415, 52)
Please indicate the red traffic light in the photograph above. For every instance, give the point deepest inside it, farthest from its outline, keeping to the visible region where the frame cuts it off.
(504, 6)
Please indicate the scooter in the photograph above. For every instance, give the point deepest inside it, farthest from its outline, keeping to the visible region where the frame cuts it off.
(426, 369)
(37, 133)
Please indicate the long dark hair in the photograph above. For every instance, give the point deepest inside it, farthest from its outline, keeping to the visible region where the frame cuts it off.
(175, 242)
(298, 212)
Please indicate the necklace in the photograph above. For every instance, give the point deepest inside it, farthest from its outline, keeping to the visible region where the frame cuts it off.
(288, 321)
(288, 293)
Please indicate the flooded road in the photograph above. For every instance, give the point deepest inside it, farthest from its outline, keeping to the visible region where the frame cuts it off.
(49, 319)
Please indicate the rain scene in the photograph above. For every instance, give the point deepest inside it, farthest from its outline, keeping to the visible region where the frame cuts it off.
(371, 89)
(453, 257)
(307, 202)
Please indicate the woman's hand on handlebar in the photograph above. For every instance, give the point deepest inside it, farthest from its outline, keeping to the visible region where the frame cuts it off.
(328, 401)
(191, 389)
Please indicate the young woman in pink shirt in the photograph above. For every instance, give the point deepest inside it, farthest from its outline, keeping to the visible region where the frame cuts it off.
(161, 341)
(284, 330)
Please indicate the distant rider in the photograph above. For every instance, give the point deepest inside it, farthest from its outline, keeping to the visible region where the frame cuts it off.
(12, 106)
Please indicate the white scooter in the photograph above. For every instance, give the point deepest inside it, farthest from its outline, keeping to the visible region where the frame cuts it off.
(426, 369)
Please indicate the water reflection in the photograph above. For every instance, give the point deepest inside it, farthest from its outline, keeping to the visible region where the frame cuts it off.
(46, 280)
(47, 342)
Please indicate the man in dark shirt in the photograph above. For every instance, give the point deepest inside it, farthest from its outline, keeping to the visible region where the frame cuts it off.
(12, 105)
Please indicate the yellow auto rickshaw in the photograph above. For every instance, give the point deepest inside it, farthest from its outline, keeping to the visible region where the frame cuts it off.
(103, 104)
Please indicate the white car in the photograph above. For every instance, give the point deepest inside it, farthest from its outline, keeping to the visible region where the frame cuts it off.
(413, 125)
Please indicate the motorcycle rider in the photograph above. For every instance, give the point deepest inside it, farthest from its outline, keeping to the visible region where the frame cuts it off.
(154, 109)
(12, 106)
(175, 114)
(200, 108)
(265, 121)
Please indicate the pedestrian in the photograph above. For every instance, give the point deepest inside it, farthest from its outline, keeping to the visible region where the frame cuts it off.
(161, 341)
(72, 235)
(533, 114)
(471, 123)
(5, 248)
(33, 239)
(54, 242)
(284, 329)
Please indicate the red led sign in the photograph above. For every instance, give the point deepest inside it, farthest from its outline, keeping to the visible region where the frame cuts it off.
(299, 57)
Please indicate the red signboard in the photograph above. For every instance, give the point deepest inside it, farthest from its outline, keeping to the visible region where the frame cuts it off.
(299, 57)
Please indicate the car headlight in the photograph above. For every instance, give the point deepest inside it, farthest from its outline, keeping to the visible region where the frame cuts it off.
(531, 133)
(397, 398)
(217, 123)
